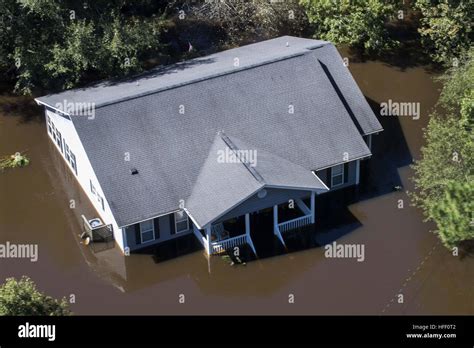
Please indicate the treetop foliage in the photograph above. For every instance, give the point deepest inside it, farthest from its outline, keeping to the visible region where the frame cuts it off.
(20, 297)
(444, 176)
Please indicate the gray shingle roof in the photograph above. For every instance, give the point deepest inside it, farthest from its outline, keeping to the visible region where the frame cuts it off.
(170, 149)
(221, 185)
(182, 73)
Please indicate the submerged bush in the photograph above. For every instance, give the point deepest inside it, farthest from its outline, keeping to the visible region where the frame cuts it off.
(14, 161)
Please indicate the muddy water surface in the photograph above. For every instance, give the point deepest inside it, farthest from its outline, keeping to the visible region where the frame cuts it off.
(401, 255)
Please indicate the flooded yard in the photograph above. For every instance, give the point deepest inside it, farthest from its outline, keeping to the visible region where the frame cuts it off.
(42, 204)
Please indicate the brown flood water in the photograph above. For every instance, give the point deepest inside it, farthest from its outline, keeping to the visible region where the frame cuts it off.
(401, 255)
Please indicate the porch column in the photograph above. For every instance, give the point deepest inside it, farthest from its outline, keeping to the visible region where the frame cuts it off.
(357, 172)
(247, 224)
(312, 207)
(208, 239)
(247, 233)
(275, 217)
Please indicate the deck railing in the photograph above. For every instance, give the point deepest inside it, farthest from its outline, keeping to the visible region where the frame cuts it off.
(294, 223)
(225, 244)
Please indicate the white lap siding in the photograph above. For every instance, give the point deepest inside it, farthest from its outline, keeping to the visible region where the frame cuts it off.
(85, 174)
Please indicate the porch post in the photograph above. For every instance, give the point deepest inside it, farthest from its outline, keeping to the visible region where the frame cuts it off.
(247, 233)
(312, 207)
(247, 224)
(208, 239)
(275, 218)
(357, 172)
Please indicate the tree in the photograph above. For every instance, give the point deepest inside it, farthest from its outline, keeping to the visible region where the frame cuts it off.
(22, 298)
(27, 30)
(53, 44)
(360, 24)
(457, 96)
(248, 20)
(454, 213)
(446, 167)
(446, 28)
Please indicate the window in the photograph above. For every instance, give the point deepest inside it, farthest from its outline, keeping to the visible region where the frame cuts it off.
(48, 120)
(92, 187)
(181, 221)
(147, 232)
(53, 130)
(337, 175)
(66, 151)
(101, 201)
(59, 139)
(73, 161)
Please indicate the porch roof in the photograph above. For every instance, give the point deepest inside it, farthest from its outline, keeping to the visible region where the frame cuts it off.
(225, 182)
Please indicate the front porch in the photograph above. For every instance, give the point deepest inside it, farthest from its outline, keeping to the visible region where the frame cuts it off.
(236, 231)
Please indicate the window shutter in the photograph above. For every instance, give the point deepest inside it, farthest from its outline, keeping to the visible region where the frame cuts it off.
(328, 177)
(172, 224)
(346, 172)
(156, 225)
(138, 239)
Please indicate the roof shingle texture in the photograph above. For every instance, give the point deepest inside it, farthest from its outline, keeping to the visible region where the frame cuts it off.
(224, 182)
(251, 104)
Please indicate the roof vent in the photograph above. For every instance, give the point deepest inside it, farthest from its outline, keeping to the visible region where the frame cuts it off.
(134, 171)
(287, 44)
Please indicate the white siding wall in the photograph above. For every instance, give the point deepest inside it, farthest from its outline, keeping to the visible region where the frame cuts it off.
(85, 173)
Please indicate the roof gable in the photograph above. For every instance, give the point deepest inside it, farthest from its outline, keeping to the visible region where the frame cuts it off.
(230, 176)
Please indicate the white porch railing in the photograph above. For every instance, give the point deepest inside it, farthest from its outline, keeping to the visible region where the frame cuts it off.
(294, 223)
(222, 245)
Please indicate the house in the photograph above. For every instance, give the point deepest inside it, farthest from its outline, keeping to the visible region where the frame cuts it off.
(204, 146)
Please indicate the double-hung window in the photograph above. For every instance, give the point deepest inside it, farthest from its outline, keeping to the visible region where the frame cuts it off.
(73, 161)
(181, 221)
(67, 152)
(147, 231)
(48, 119)
(100, 200)
(59, 139)
(337, 175)
(92, 187)
(53, 130)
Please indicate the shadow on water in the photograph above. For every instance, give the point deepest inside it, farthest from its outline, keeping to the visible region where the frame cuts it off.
(379, 176)
(390, 151)
(22, 108)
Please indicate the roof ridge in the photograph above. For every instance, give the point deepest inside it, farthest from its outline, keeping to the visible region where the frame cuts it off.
(257, 176)
(200, 79)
